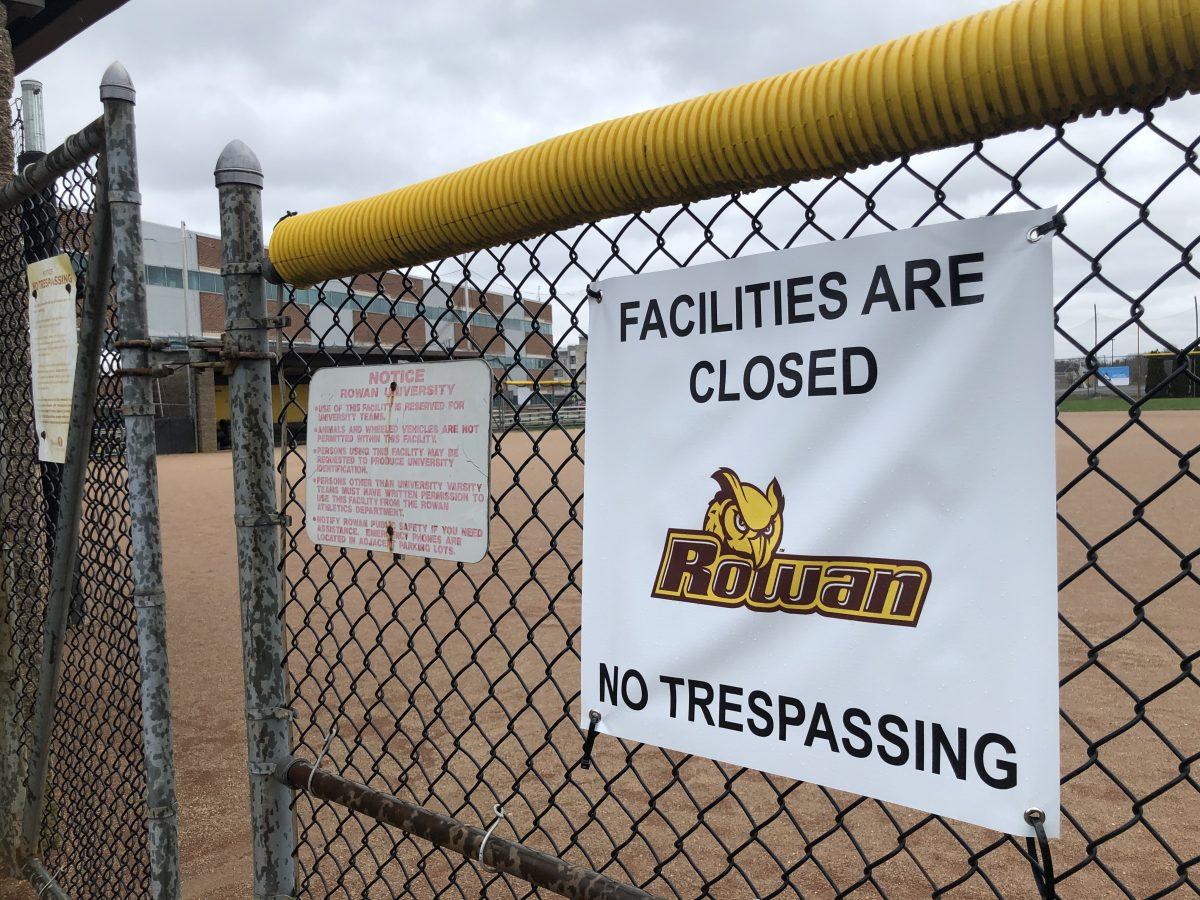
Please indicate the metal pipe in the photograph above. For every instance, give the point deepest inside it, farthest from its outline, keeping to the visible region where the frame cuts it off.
(32, 117)
(39, 216)
(66, 535)
(76, 149)
(239, 183)
(117, 94)
(13, 758)
(532, 866)
(12, 721)
(14, 469)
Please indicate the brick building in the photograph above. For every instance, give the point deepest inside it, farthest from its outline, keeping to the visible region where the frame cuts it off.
(376, 316)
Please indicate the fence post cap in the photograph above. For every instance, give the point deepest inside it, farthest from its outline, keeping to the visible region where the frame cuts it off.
(237, 164)
(116, 84)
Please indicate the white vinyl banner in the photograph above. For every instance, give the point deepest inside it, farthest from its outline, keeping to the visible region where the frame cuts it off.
(398, 458)
(820, 530)
(53, 345)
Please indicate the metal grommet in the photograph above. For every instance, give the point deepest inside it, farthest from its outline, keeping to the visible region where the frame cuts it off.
(1054, 226)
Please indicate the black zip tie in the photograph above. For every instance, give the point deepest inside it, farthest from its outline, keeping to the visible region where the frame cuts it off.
(593, 721)
(595, 294)
(1043, 873)
(1055, 225)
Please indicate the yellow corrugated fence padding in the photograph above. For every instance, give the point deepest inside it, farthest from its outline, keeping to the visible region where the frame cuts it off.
(1026, 64)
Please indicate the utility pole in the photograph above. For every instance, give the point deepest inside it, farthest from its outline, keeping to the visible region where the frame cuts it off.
(1139, 368)
(183, 254)
(189, 372)
(1095, 341)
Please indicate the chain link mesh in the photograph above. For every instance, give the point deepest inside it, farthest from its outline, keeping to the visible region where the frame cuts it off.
(456, 686)
(93, 835)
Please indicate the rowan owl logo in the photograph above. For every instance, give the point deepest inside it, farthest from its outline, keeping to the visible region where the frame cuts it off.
(747, 520)
(735, 562)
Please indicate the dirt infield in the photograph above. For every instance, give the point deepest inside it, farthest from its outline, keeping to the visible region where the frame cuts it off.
(439, 648)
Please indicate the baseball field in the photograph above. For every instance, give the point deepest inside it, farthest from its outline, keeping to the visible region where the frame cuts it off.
(457, 685)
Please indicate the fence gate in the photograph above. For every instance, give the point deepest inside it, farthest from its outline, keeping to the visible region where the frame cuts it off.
(454, 688)
(87, 797)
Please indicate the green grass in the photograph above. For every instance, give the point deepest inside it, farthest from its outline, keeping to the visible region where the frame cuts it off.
(1116, 404)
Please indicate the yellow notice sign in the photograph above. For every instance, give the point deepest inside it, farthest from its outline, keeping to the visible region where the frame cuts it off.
(53, 341)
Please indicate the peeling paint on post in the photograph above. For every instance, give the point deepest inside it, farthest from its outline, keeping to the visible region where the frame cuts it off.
(268, 722)
(116, 91)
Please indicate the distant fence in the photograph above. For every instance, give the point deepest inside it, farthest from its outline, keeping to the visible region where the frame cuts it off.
(1153, 376)
(537, 415)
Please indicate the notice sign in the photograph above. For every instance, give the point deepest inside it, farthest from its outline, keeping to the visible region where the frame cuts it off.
(53, 344)
(398, 458)
(820, 531)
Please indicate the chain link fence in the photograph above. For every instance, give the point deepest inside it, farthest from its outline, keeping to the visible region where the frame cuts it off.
(93, 839)
(456, 686)
(87, 806)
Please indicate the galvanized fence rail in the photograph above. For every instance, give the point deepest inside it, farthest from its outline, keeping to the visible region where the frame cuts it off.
(454, 688)
(87, 804)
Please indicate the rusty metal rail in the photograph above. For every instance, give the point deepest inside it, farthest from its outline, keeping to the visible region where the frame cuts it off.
(508, 857)
(73, 152)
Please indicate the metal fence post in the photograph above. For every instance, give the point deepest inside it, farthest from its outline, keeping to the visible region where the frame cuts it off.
(12, 716)
(117, 94)
(268, 730)
(12, 755)
(13, 760)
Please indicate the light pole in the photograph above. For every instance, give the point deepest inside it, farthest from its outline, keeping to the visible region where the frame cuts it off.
(187, 330)
(187, 312)
(1095, 342)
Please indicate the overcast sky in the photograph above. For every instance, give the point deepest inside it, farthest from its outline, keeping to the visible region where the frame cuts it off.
(346, 99)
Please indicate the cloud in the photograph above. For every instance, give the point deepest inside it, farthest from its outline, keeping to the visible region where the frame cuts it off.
(343, 100)
(352, 98)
